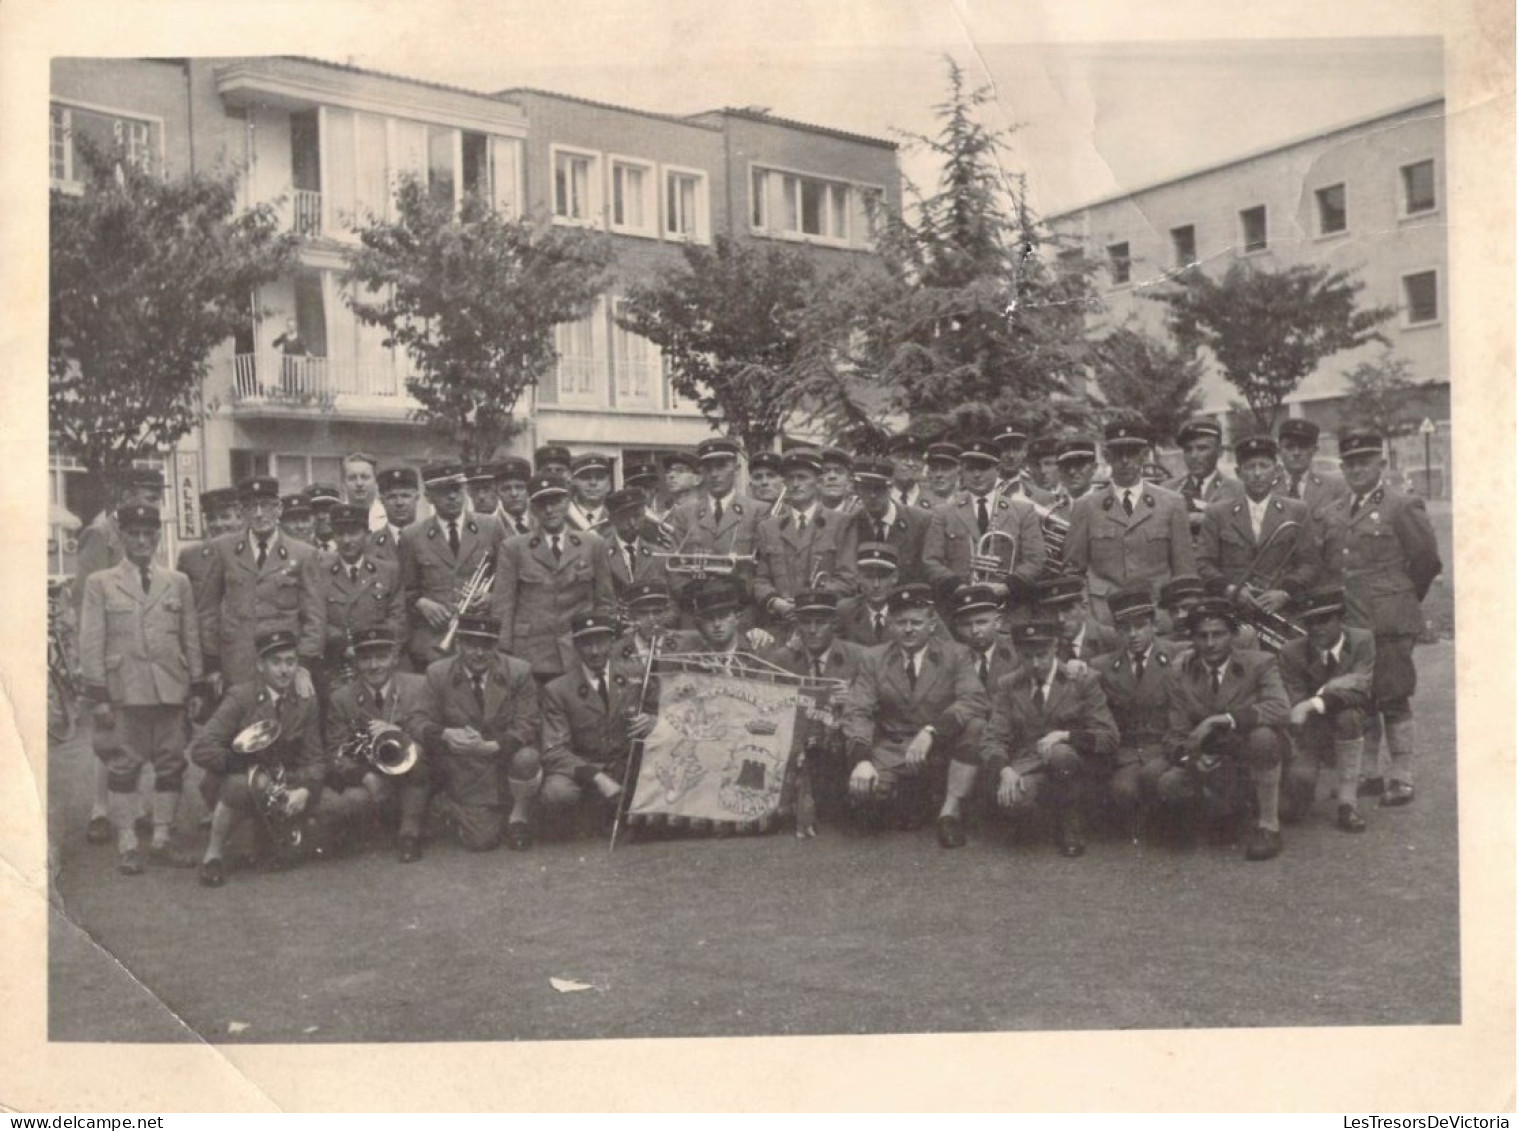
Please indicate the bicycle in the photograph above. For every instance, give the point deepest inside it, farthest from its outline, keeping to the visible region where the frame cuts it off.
(62, 671)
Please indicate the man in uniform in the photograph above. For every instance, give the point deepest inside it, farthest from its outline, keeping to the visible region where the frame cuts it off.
(1227, 713)
(1076, 465)
(1328, 676)
(660, 526)
(231, 788)
(720, 520)
(361, 488)
(798, 548)
(682, 481)
(1202, 442)
(1051, 734)
(590, 719)
(881, 519)
(1082, 637)
(357, 592)
(590, 482)
(767, 479)
(630, 558)
(546, 580)
(99, 543)
(1044, 464)
(297, 520)
(553, 461)
(1014, 477)
(647, 610)
(439, 557)
(255, 583)
(864, 618)
(512, 476)
(834, 478)
(399, 490)
(323, 497)
(1380, 542)
(380, 699)
(1299, 440)
(479, 727)
(956, 531)
(1127, 534)
(977, 621)
(906, 454)
(139, 648)
(220, 514)
(942, 475)
(915, 705)
(480, 483)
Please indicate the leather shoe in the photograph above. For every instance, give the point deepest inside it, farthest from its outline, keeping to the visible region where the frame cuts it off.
(519, 837)
(99, 830)
(211, 873)
(1263, 844)
(130, 863)
(1349, 820)
(1370, 787)
(411, 849)
(166, 855)
(1398, 793)
(951, 832)
(1069, 838)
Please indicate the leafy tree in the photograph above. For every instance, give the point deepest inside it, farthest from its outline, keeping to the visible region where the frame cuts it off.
(1150, 380)
(1268, 330)
(473, 298)
(146, 277)
(1378, 395)
(733, 321)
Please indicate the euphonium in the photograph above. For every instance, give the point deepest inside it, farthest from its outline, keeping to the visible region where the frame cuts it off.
(266, 780)
(388, 751)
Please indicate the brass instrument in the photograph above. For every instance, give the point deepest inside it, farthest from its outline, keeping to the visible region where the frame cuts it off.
(706, 565)
(389, 751)
(1054, 526)
(1273, 629)
(986, 566)
(780, 501)
(471, 593)
(266, 780)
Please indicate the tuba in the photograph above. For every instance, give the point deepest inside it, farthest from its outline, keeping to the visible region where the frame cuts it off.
(389, 751)
(266, 780)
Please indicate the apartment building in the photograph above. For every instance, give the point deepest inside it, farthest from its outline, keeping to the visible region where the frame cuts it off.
(1369, 196)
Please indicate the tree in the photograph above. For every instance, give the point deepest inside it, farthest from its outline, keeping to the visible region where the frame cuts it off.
(473, 298)
(1151, 380)
(146, 277)
(1268, 330)
(731, 320)
(1378, 395)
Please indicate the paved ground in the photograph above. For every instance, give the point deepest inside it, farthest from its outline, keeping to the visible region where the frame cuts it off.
(773, 936)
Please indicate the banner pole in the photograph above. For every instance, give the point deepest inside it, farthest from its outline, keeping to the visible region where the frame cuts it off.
(635, 748)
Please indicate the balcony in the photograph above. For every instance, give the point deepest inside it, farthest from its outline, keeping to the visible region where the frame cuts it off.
(306, 219)
(271, 384)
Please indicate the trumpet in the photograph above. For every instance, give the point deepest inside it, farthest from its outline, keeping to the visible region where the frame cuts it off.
(1054, 526)
(780, 501)
(706, 565)
(1272, 629)
(986, 566)
(470, 594)
(388, 751)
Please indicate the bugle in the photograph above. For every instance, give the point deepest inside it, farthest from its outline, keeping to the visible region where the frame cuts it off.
(470, 593)
(986, 566)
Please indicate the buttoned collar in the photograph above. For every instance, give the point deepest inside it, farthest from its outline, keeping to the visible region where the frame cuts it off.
(804, 517)
(593, 674)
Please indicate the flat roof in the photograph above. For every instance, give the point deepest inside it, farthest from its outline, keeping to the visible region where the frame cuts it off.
(1317, 135)
(350, 68)
(678, 119)
(764, 116)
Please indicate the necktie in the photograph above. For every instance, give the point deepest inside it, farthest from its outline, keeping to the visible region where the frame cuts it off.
(1128, 503)
(881, 530)
(1329, 665)
(601, 687)
(880, 623)
(146, 578)
(1216, 677)
(263, 551)
(554, 546)
(983, 519)
(478, 683)
(717, 511)
(353, 573)
(817, 667)
(1038, 696)
(1297, 486)
(1139, 666)
(627, 548)
(1356, 506)
(983, 668)
(902, 497)
(521, 526)
(453, 537)
(912, 670)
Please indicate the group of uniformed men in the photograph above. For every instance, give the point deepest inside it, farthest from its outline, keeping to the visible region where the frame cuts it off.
(1179, 654)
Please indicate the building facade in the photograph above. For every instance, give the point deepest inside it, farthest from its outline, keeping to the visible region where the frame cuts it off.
(1368, 197)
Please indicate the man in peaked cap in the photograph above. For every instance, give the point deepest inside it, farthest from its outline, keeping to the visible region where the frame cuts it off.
(681, 481)
(719, 519)
(1328, 676)
(1266, 548)
(381, 698)
(957, 529)
(1075, 465)
(661, 524)
(881, 519)
(1043, 464)
(590, 719)
(1201, 440)
(480, 485)
(399, 489)
(221, 514)
(1014, 474)
(255, 583)
(864, 618)
(479, 726)
(99, 542)
(631, 558)
(547, 579)
(139, 647)
(941, 476)
(834, 478)
(906, 455)
(1050, 739)
(1082, 636)
(552, 460)
(590, 482)
(976, 613)
(915, 706)
(1299, 443)
(1127, 533)
(298, 520)
(513, 507)
(358, 593)
(767, 479)
(799, 547)
(1380, 542)
(323, 497)
(647, 610)
(438, 558)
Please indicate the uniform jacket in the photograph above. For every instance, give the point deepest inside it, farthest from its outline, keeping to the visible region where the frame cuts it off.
(376, 600)
(646, 567)
(907, 534)
(1387, 557)
(1251, 693)
(598, 521)
(430, 569)
(857, 625)
(537, 597)
(581, 734)
(1095, 640)
(1221, 489)
(354, 703)
(953, 534)
(1021, 486)
(885, 709)
(194, 561)
(509, 524)
(735, 534)
(1113, 549)
(238, 601)
(299, 748)
(136, 648)
(1226, 545)
(384, 545)
(510, 717)
(1003, 660)
(1140, 708)
(98, 547)
(1305, 675)
(843, 661)
(1075, 704)
(790, 554)
(1320, 490)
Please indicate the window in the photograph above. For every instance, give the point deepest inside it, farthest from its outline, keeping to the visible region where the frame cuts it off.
(686, 205)
(60, 150)
(637, 366)
(1421, 299)
(1418, 187)
(1118, 263)
(785, 203)
(575, 197)
(1184, 246)
(579, 377)
(116, 136)
(1331, 209)
(1252, 228)
(441, 178)
(633, 202)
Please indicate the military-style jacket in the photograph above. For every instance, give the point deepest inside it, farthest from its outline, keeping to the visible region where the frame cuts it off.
(1002, 660)
(906, 533)
(1221, 489)
(299, 748)
(429, 568)
(1387, 557)
(384, 544)
(646, 566)
(857, 623)
(1250, 693)
(509, 718)
(354, 705)
(581, 733)
(537, 597)
(1075, 704)
(1113, 549)
(953, 534)
(136, 648)
(375, 600)
(1139, 709)
(737, 533)
(1305, 673)
(1318, 490)
(238, 601)
(885, 709)
(98, 547)
(792, 553)
(1227, 546)
(194, 561)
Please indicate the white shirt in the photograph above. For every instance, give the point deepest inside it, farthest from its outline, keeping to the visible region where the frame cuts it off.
(1257, 514)
(804, 517)
(593, 674)
(1337, 652)
(586, 519)
(377, 519)
(1049, 681)
(916, 660)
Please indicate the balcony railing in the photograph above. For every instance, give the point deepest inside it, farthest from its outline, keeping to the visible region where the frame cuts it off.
(308, 213)
(317, 382)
